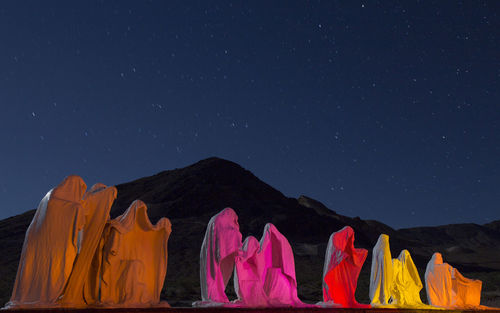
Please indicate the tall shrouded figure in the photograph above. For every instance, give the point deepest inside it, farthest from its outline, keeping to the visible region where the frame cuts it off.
(265, 273)
(381, 275)
(97, 203)
(343, 264)
(218, 252)
(50, 246)
(447, 288)
(134, 259)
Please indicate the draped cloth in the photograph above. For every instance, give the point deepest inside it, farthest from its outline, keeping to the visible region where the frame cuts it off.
(394, 282)
(406, 284)
(381, 276)
(447, 288)
(265, 272)
(134, 259)
(50, 246)
(343, 264)
(248, 283)
(218, 252)
(97, 203)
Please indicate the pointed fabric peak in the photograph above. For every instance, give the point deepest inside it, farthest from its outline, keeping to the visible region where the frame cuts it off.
(137, 215)
(71, 189)
(96, 188)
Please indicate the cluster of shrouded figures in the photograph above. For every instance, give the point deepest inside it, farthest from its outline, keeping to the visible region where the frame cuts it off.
(75, 256)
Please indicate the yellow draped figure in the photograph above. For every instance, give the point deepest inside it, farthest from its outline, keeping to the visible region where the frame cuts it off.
(394, 282)
(134, 259)
(447, 288)
(381, 275)
(407, 283)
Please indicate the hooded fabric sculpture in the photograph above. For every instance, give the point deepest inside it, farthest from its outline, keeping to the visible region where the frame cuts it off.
(447, 288)
(394, 282)
(381, 275)
(343, 263)
(265, 272)
(407, 284)
(134, 259)
(97, 204)
(50, 246)
(218, 251)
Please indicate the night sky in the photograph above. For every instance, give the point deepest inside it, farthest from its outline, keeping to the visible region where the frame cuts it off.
(385, 110)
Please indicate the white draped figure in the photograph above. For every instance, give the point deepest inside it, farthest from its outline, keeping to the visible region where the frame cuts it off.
(217, 256)
(50, 246)
(381, 276)
(447, 288)
(134, 259)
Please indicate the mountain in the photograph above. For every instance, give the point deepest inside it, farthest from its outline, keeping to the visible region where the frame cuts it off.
(190, 196)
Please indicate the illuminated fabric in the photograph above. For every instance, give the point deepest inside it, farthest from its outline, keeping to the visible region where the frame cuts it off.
(265, 272)
(97, 203)
(134, 259)
(343, 263)
(50, 246)
(381, 276)
(248, 283)
(406, 284)
(218, 252)
(447, 288)
(394, 282)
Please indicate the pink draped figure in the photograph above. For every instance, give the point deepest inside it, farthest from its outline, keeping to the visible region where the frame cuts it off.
(265, 272)
(218, 252)
(343, 263)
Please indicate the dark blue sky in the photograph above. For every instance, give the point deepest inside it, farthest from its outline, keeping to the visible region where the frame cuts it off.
(385, 110)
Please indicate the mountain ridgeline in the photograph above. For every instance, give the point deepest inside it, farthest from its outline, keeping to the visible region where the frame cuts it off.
(190, 196)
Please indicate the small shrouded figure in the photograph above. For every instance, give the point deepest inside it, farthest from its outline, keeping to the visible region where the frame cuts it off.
(447, 288)
(134, 259)
(407, 284)
(265, 272)
(381, 275)
(50, 246)
(218, 252)
(343, 263)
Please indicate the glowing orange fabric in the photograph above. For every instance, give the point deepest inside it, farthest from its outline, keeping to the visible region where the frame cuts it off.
(97, 203)
(50, 246)
(134, 259)
(447, 288)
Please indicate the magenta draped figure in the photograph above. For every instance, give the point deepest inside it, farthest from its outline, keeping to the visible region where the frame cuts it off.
(265, 272)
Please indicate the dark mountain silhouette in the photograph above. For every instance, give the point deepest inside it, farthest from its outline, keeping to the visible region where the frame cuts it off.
(190, 196)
